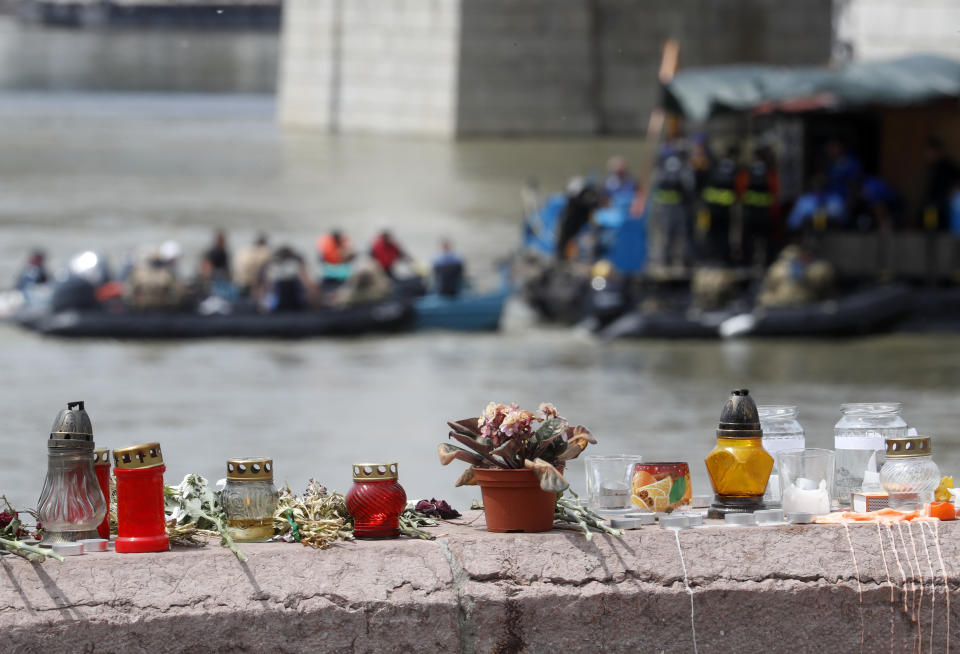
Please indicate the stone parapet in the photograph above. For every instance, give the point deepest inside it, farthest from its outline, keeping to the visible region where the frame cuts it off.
(789, 588)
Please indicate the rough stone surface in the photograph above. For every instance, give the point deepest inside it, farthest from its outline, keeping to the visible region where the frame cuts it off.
(790, 588)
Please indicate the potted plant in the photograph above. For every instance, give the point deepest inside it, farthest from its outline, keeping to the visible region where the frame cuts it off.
(517, 458)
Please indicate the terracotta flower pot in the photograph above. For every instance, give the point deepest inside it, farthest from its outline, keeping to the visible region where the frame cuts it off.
(514, 501)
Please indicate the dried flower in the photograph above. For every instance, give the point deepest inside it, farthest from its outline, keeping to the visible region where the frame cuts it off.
(6, 518)
(434, 508)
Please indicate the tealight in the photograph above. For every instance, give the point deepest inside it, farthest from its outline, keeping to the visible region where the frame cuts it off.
(769, 517)
(739, 519)
(68, 549)
(94, 545)
(674, 522)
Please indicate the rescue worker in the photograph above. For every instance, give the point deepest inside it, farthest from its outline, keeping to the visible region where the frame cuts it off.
(251, 262)
(673, 185)
(796, 278)
(620, 185)
(152, 285)
(335, 253)
(942, 175)
(287, 282)
(759, 198)
(215, 264)
(369, 283)
(387, 252)
(33, 272)
(582, 199)
(720, 197)
(447, 270)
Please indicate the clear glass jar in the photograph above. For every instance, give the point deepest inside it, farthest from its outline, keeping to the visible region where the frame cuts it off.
(781, 431)
(909, 475)
(859, 440)
(249, 499)
(71, 503)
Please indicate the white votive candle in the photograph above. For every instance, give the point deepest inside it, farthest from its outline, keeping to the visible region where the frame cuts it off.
(800, 498)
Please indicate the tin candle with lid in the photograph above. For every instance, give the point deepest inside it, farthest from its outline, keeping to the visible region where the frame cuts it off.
(141, 523)
(376, 500)
(250, 499)
(909, 475)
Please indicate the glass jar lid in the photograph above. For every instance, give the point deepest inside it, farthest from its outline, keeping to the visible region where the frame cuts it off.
(101, 457)
(374, 471)
(255, 468)
(777, 411)
(131, 457)
(902, 448)
(871, 408)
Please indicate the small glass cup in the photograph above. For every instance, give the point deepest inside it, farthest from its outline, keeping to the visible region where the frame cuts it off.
(806, 480)
(608, 481)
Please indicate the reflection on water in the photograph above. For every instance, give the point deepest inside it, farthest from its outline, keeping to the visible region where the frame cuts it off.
(34, 57)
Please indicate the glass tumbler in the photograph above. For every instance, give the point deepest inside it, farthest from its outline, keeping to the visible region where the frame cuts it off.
(608, 481)
(806, 480)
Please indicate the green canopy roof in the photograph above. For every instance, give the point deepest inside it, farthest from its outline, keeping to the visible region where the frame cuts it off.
(701, 93)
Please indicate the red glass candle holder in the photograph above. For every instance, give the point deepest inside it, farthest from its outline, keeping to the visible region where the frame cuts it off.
(101, 465)
(141, 524)
(376, 500)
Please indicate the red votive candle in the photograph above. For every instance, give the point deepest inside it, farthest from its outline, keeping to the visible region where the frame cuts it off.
(101, 465)
(141, 525)
(376, 500)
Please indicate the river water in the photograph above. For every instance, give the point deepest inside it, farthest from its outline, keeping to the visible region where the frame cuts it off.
(114, 171)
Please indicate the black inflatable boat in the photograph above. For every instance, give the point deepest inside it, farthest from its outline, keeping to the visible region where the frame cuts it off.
(388, 316)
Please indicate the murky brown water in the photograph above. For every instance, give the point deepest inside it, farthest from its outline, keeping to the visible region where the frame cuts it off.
(114, 171)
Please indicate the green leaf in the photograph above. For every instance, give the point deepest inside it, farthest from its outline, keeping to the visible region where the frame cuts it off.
(677, 490)
(550, 428)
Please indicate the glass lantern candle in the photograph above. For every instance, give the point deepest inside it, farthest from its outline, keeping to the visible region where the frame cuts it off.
(806, 480)
(781, 431)
(738, 466)
(250, 499)
(71, 503)
(859, 440)
(101, 465)
(141, 524)
(909, 474)
(376, 500)
(608, 481)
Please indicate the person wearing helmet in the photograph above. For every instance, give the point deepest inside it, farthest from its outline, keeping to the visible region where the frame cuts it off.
(673, 185)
